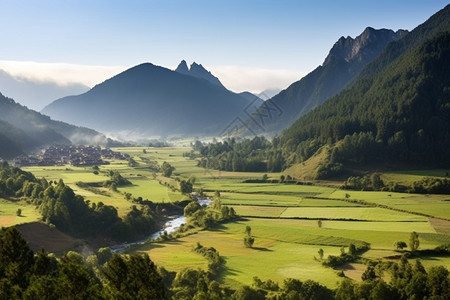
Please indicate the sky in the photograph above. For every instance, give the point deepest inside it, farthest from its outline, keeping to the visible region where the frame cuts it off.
(250, 45)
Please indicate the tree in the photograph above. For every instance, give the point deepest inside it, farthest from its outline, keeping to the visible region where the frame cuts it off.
(414, 241)
(104, 255)
(248, 230)
(191, 208)
(16, 258)
(167, 169)
(438, 282)
(247, 293)
(185, 187)
(133, 277)
(248, 239)
(369, 274)
(400, 245)
(320, 253)
(352, 250)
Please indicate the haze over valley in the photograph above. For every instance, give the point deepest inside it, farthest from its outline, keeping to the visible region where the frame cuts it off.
(212, 150)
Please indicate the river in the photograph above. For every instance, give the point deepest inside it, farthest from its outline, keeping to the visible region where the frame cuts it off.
(170, 226)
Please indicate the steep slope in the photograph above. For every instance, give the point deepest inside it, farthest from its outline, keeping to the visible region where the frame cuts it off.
(36, 94)
(149, 100)
(198, 71)
(344, 61)
(22, 130)
(397, 110)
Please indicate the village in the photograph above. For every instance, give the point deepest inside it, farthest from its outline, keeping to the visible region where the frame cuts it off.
(76, 155)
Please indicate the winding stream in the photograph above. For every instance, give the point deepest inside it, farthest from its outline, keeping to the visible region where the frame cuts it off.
(170, 226)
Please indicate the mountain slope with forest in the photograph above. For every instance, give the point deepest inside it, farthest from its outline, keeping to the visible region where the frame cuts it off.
(397, 110)
(149, 100)
(344, 61)
(23, 130)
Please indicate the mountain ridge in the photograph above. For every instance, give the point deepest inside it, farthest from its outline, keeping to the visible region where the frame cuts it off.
(397, 109)
(198, 71)
(152, 101)
(345, 60)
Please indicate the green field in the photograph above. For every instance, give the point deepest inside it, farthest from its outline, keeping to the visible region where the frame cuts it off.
(8, 213)
(283, 217)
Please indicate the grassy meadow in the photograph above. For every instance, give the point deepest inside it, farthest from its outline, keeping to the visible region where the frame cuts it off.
(284, 217)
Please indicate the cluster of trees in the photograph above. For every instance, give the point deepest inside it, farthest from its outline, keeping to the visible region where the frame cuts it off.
(167, 169)
(207, 217)
(345, 257)
(431, 185)
(372, 182)
(28, 275)
(59, 205)
(116, 180)
(246, 156)
(406, 282)
(215, 262)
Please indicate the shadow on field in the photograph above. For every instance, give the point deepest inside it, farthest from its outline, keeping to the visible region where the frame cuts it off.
(228, 271)
(162, 244)
(219, 227)
(262, 249)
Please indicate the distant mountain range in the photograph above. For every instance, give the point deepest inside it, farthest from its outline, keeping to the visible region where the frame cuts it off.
(36, 94)
(345, 60)
(23, 130)
(149, 100)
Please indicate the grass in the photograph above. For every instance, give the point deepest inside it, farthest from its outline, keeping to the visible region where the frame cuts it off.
(174, 255)
(8, 213)
(433, 205)
(269, 259)
(151, 190)
(284, 247)
(278, 200)
(353, 213)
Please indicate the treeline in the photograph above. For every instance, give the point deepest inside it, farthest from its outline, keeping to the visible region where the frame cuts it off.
(104, 275)
(373, 182)
(59, 205)
(407, 281)
(253, 155)
(28, 275)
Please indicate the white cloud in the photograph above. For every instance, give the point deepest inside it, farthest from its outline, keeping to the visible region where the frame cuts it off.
(60, 73)
(255, 80)
(235, 78)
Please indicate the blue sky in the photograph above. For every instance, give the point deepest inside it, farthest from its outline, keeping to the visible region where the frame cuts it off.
(269, 42)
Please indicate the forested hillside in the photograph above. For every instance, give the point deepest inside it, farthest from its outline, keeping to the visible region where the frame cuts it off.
(397, 110)
(23, 130)
(400, 114)
(344, 62)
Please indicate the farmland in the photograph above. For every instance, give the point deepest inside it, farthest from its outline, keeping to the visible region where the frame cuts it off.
(284, 218)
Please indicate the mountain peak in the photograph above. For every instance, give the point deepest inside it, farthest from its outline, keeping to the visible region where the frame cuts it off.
(182, 68)
(366, 45)
(198, 71)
